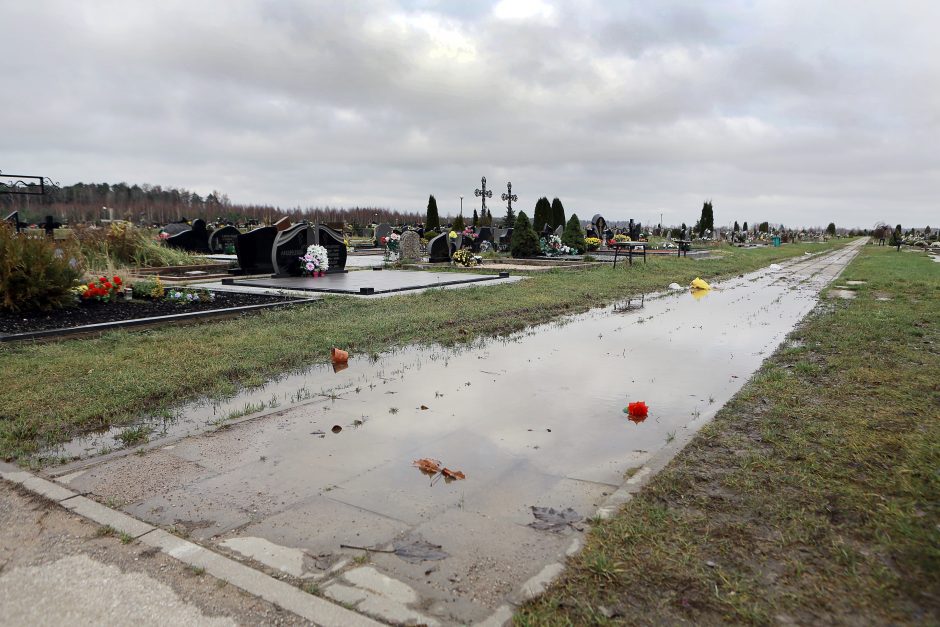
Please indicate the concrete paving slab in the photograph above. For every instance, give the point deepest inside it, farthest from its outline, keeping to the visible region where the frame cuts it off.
(489, 558)
(401, 491)
(313, 608)
(130, 479)
(320, 525)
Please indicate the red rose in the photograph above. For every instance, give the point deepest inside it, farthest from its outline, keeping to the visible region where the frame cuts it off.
(103, 279)
(117, 280)
(638, 409)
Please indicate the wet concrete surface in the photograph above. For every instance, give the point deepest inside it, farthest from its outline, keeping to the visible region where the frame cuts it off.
(535, 419)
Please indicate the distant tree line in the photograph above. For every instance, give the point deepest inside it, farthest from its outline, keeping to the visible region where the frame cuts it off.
(153, 204)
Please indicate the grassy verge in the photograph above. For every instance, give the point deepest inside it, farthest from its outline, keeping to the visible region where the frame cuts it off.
(52, 391)
(811, 498)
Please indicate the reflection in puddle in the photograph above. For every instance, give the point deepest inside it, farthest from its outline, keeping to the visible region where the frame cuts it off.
(570, 372)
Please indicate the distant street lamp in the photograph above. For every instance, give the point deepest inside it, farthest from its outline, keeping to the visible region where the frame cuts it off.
(461, 204)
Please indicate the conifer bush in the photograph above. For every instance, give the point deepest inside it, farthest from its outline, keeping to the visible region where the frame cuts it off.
(573, 235)
(36, 274)
(525, 241)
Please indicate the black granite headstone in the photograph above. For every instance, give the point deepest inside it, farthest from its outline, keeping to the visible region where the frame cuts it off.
(505, 237)
(195, 240)
(484, 234)
(175, 228)
(289, 246)
(254, 250)
(438, 251)
(455, 243)
(220, 239)
(335, 248)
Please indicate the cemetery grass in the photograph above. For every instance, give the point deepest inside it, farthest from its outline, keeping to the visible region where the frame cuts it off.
(812, 496)
(54, 391)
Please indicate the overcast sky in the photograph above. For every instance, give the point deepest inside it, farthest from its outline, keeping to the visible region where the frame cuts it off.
(790, 111)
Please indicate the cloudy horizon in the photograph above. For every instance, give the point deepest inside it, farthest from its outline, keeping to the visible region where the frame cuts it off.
(788, 111)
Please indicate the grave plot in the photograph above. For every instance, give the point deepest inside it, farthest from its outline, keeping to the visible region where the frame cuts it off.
(339, 477)
(366, 282)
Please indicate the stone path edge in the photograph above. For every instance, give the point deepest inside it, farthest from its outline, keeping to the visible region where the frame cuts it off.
(313, 608)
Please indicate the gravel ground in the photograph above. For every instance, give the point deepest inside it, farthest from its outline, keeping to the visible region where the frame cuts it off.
(58, 569)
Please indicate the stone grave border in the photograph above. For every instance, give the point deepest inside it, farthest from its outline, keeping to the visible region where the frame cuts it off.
(365, 291)
(153, 321)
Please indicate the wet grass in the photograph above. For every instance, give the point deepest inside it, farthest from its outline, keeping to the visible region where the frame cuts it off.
(53, 391)
(812, 496)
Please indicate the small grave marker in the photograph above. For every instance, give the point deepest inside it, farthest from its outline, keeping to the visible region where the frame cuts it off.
(410, 246)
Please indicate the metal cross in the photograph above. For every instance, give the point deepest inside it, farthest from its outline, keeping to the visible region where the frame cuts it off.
(484, 193)
(509, 197)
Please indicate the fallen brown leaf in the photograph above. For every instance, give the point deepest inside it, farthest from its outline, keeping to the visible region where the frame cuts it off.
(427, 465)
(452, 474)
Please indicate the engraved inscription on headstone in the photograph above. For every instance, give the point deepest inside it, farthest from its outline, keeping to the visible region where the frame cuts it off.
(335, 248)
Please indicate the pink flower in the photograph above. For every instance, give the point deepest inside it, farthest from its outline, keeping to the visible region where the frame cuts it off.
(310, 267)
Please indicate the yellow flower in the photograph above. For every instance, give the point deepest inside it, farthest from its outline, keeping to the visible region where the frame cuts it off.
(452, 235)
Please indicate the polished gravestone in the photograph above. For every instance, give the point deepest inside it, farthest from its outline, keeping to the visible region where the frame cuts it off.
(222, 238)
(484, 234)
(175, 228)
(288, 247)
(438, 251)
(194, 240)
(335, 247)
(254, 250)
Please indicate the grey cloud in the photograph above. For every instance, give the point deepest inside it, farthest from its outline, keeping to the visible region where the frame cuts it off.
(800, 112)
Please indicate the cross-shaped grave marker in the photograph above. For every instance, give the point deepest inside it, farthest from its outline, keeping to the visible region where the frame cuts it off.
(509, 197)
(484, 193)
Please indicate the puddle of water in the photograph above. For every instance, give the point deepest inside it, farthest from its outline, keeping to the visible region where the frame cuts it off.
(638, 350)
(534, 419)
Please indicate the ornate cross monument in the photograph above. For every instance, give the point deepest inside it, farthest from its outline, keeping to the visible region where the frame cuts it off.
(484, 193)
(509, 197)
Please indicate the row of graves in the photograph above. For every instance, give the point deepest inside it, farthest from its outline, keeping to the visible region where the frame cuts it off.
(277, 251)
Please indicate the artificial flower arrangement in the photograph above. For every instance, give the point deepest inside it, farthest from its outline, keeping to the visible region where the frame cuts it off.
(452, 235)
(620, 238)
(592, 243)
(469, 233)
(465, 257)
(315, 262)
(552, 247)
(185, 296)
(103, 290)
(391, 242)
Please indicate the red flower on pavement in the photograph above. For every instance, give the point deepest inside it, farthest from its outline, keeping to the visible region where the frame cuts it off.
(638, 411)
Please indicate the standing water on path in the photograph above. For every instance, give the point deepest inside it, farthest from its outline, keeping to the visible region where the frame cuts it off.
(535, 419)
